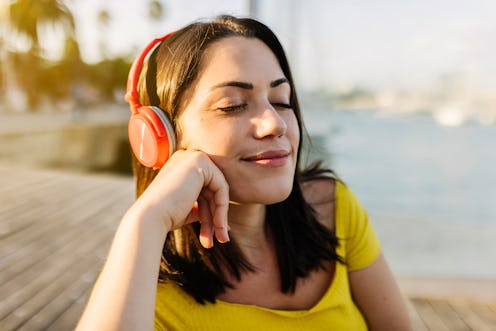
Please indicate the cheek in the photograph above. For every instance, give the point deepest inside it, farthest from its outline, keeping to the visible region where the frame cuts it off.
(190, 132)
(293, 130)
(215, 140)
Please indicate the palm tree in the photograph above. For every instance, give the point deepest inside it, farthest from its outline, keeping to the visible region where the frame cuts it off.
(26, 17)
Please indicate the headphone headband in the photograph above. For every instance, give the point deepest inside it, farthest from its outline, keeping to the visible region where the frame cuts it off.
(151, 134)
(132, 81)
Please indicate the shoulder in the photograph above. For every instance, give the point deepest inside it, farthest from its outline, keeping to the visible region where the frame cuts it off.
(320, 194)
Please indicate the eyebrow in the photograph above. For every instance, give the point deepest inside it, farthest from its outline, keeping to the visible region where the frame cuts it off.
(248, 86)
(279, 81)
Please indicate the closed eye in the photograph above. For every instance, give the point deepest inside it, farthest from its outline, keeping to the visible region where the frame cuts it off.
(233, 108)
(281, 105)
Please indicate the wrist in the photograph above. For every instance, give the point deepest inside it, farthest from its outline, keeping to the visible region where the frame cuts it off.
(147, 219)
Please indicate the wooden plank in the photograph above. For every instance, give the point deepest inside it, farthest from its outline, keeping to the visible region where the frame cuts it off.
(19, 179)
(40, 206)
(56, 228)
(431, 318)
(416, 319)
(27, 198)
(39, 309)
(60, 211)
(28, 266)
(64, 252)
(470, 317)
(68, 320)
(21, 182)
(18, 195)
(64, 311)
(54, 190)
(41, 260)
(33, 250)
(450, 317)
(484, 311)
(20, 289)
(79, 283)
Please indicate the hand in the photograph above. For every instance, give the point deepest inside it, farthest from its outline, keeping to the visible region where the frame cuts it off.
(189, 179)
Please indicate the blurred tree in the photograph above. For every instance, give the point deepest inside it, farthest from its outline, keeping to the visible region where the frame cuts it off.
(61, 80)
(26, 17)
(103, 20)
(70, 78)
(156, 13)
(155, 10)
(109, 75)
(71, 51)
(27, 71)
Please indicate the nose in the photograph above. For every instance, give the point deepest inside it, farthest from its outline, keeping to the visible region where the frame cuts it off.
(269, 123)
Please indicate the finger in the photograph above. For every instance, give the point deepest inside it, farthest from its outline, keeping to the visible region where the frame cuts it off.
(206, 223)
(216, 184)
(220, 229)
(219, 205)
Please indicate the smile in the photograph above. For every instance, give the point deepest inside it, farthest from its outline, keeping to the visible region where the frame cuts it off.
(273, 158)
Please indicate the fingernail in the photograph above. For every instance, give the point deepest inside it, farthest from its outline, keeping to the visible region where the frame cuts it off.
(205, 242)
(226, 235)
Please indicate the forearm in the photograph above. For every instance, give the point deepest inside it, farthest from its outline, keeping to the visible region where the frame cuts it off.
(124, 296)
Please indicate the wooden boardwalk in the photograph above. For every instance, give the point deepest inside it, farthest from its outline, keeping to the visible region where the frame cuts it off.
(56, 228)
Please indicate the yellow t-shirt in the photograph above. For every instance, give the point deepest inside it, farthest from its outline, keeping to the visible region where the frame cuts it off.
(359, 247)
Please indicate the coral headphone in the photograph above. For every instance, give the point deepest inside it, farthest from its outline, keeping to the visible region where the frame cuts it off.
(151, 134)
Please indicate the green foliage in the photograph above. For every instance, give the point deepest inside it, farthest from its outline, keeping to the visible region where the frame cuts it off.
(28, 67)
(26, 16)
(109, 75)
(155, 10)
(40, 78)
(68, 78)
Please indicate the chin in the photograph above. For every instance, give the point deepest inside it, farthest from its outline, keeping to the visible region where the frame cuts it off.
(266, 194)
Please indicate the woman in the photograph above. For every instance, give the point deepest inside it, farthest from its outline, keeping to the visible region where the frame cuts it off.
(267, 245)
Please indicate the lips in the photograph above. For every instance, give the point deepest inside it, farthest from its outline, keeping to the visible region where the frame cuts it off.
(267, 155)
(271, 158)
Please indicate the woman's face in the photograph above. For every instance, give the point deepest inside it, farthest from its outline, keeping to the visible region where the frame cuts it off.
(238, 113)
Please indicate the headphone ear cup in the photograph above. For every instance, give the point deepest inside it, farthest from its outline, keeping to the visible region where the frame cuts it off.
(151, 136)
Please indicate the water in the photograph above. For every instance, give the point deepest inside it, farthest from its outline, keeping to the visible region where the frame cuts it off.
(430, 190)
(412, 165)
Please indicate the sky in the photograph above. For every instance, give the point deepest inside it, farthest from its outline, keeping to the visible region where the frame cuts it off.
(381, 44)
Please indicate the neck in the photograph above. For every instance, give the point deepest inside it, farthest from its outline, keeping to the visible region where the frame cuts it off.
(247, 226)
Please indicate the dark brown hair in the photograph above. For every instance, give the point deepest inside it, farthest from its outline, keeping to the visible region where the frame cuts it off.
(302, 243)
